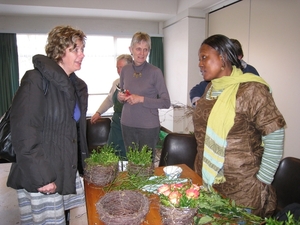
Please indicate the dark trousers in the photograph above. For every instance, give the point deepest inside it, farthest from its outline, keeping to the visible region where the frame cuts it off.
(141, 137)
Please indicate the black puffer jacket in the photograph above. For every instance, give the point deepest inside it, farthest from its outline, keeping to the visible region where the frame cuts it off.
(44, 132)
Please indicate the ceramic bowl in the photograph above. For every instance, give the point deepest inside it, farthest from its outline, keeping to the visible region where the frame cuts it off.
(172, 171)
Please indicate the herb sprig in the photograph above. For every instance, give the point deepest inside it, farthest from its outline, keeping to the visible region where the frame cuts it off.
(214, 209)
(134, 182)
(139, 157)
(102, 156)
(290, 220)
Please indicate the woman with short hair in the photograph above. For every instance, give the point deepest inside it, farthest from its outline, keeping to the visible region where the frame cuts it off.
(48, 131)
(115, 137)
(146, 93)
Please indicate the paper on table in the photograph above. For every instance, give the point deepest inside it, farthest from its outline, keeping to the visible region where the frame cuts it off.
(167, 180)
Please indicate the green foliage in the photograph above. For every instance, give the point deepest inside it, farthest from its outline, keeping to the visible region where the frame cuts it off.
(187, 202)
(139, 157)
(102, 156)
(214, 209)
(162, 136)
(291, 220)
(134, 182)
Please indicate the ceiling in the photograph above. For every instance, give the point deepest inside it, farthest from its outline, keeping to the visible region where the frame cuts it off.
(154, 10)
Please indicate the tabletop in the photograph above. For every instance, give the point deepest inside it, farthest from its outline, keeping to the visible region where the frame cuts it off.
(93, 193)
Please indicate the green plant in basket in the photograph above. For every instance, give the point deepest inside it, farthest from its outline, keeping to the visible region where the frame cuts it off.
(102, 156)
(139, 161)
(102, 166)
(141, 157)
(178, 202)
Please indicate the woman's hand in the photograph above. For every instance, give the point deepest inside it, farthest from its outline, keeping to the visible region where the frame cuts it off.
(121, 97)
(95, 117)
(134, 99)
(48, 189)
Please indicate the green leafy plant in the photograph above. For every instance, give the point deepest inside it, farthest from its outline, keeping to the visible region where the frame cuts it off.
(141, 157)
(214, 209)
(290, 220)
(104, 156)
(132, 182)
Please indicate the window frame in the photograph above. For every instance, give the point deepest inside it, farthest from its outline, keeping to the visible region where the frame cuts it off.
(92, 66)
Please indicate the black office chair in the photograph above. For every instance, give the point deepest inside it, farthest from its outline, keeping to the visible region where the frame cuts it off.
(97, 134)
(287, 182)
(178, 149)
(3, 161)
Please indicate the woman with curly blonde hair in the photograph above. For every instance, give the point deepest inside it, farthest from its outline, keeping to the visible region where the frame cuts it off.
(48, 131)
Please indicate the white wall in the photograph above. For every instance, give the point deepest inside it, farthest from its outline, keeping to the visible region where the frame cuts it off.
(183, 35)
(233, 22)
(196, 34)
(98, 8)
(98, 26)
(274, 44)
(182, 39)
(269, 32)
(176, 60)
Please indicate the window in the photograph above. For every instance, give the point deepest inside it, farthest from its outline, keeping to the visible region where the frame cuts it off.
(98, 69)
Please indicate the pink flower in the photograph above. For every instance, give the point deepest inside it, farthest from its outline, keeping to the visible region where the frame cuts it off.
(172, 194)
(174, 197)
(192, 193)
(195, 187)
(163, 188)
(176, 186)
(167, 193)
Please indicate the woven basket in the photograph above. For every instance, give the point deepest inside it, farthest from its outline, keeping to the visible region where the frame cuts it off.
(172, 216)
(123, 208)
(140, 170)
(101, 175)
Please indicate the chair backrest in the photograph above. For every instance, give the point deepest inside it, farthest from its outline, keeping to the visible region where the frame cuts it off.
(178, 149)
(287, 182)
(97, 133)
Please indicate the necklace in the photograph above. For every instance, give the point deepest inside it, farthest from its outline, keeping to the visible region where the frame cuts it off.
(138, 74)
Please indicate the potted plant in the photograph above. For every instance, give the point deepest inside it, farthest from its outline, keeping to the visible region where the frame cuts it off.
(178, 202)
(102, 166)
(140, 162)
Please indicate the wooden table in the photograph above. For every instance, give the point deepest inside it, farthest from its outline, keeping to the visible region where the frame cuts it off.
(94, 193)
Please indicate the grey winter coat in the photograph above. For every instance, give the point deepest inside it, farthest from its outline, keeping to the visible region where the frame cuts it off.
(44, 134)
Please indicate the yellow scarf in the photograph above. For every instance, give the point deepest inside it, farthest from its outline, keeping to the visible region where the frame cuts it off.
(219, 123)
